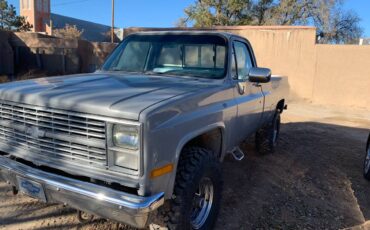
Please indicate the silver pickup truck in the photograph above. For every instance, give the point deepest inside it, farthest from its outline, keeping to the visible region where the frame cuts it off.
(146, 134)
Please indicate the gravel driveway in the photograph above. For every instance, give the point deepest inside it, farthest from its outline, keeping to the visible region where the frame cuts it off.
(313, 181)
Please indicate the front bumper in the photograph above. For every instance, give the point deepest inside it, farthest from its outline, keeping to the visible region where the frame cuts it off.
(98, 200)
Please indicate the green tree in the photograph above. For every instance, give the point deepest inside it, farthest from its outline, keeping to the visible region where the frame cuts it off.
(262, 12)
(205, 13)
(9, 19)
(334, 24)
(291, 12)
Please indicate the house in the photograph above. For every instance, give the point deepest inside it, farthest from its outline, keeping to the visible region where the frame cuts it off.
(38, 13)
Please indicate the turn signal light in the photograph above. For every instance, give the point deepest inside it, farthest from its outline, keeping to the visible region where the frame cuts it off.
(161, 171)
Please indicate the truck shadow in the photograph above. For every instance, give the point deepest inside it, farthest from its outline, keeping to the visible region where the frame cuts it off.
(313, 180)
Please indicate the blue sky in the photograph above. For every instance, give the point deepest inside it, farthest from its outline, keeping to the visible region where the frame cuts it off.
(155, 13)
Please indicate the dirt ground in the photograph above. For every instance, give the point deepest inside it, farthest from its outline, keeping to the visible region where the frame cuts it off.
(313, 181)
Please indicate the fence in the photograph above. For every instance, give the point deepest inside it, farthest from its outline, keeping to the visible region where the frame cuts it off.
(29, 52)
(6, 54)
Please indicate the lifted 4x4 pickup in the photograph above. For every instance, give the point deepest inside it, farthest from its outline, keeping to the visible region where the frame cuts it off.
(147, 131)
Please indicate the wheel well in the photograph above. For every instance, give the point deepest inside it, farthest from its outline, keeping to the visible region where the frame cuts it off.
(211, 140)
(280, 105)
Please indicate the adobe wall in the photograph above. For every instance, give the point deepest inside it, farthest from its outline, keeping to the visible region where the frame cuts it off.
(342, 75)
(35, 52)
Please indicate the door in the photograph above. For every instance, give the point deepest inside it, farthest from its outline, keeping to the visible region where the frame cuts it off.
(249, 96)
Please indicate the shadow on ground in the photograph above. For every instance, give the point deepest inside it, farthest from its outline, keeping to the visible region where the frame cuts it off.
(314, 181)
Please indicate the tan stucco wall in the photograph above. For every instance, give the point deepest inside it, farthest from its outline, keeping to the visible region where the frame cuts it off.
(324, 74)
(342, 75)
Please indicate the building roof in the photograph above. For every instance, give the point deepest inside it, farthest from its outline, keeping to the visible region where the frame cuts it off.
(91, 31)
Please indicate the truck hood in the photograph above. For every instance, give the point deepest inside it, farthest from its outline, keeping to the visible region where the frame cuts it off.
(107, 94)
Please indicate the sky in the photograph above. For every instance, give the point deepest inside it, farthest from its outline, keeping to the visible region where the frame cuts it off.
(155, 13)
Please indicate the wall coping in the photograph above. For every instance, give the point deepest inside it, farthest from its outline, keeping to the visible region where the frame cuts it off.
(225, 28)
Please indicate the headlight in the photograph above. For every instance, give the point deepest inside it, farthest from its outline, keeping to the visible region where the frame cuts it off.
(126, 160)
(126, 137)
(125, 146)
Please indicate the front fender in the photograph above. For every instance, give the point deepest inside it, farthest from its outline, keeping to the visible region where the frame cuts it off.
(185, 140)
(196, 133)
(173, 124)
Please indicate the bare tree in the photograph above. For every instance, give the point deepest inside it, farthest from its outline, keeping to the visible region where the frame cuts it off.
(69, 32)
(334, 24)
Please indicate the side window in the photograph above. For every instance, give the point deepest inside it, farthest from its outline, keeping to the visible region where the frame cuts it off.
(243, 60)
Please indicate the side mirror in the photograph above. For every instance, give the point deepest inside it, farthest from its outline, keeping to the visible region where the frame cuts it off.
(259, 75)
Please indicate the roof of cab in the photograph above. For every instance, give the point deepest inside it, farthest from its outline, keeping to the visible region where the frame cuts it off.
(186, 32)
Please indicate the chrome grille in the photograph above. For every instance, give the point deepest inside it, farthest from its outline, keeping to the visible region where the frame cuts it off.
(53, 133)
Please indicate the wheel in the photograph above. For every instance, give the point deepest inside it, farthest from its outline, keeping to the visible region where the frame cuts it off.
(197, 192)
(267, 137)
(367, 163)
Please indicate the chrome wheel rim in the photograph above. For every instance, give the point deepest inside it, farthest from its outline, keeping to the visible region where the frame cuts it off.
(367, 161)
(202, 203)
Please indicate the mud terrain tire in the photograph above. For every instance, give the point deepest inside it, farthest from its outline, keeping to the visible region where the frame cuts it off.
(267, 137)
(196, 166)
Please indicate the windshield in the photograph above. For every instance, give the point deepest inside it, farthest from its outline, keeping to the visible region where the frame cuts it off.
(173, 55)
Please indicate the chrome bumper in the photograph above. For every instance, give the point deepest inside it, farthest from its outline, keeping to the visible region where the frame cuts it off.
(98, 200)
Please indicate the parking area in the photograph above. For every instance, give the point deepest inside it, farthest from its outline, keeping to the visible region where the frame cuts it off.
(314, 180)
